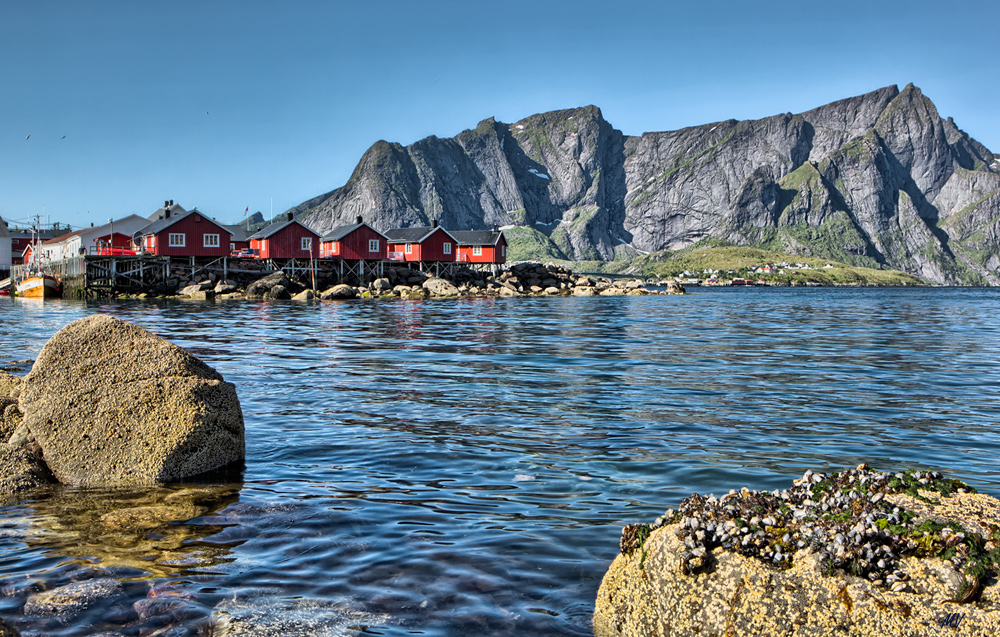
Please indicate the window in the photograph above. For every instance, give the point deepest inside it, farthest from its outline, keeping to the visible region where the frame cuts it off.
(409, 248)
(210, 240)
(503, 251)
(232, 247)
(307, 243)
(477, 251)
(176, 240)
(373, 245)
(446, 248)
(336, 247)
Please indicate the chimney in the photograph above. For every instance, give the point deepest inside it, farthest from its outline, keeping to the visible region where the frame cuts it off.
(167, 216)
(166, 204)
(360, 220)
(496, 228)
(171, 202)
(434, 223)
(291, 216)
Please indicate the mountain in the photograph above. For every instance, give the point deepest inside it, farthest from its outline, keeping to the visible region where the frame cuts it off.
(879, 180)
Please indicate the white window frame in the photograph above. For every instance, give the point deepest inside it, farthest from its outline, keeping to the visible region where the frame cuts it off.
(373, 245)
(177, 240)
(210, 240)
(307, 243)
(446, 247)
(477, 251)
(409, 248)
(336, 247)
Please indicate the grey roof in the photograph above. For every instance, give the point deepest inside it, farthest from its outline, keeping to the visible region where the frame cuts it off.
(477, 237)
(239, 233)
(340, 232)
(278, 227)
(4, 232)
(413, 235)
(161, 224)
(162, 212)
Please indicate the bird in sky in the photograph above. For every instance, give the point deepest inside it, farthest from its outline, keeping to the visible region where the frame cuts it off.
(28, 137)
(63, 137)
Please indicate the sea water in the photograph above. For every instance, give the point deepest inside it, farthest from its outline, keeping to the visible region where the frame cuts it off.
(465, 466)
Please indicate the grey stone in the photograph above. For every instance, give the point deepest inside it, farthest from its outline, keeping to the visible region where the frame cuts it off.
(440, 287)
(71, 598)
(304, 295)
(278, 293)
(262, 286)
(21, 470)
(381, 285)
(341, 291)
(112, 404)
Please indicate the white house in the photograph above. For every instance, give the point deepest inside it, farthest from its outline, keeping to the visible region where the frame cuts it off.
(88, 240)
(5, 246)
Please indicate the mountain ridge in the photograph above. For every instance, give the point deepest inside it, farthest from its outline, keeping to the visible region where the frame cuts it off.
(876, 180)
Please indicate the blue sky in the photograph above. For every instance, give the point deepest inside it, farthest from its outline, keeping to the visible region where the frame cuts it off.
(229, 105)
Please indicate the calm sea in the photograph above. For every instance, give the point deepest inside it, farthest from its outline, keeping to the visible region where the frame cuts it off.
(456, 467)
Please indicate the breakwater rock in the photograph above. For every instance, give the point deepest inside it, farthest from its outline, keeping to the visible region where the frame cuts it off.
(859, 552)
(109, 404)
(521, 279)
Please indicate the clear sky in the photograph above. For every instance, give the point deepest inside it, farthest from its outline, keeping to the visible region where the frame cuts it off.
(226, 105)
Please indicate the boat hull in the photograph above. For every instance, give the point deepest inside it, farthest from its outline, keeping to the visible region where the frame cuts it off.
(39, 287)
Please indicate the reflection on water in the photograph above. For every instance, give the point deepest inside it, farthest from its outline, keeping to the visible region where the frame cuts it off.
(154, 531)
(440, 468)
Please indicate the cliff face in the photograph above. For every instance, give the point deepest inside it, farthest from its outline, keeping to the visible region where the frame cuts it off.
(878, 180)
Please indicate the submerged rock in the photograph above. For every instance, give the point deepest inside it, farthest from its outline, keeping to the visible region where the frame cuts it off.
(854, 553)
(111, 404)
(71, 598)
(6, 630)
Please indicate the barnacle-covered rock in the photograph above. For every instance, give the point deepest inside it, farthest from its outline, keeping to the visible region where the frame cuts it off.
(859, 552)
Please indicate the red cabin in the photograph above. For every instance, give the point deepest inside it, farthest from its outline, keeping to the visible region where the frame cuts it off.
(239, 242)
(421, 244)
(358, 241)
(288, 239)
(481, 246)
(185, 234)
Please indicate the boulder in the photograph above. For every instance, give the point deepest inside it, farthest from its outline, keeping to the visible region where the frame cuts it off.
(855, 553)
(341, 291)
(21, 470)
(381, 285)
(304, 295)
(673, 287)
(552, 290)
(277, 293)
(225, 286)
(112, 404)
(506, 291)
(584, 291)
(198, 293)
(440, 287)
(260, 287)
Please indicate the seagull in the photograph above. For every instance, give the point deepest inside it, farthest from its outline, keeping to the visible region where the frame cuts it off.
(28, 137)
(63, 137)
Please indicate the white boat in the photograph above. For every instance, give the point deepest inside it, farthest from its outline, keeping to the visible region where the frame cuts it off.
(41, 286)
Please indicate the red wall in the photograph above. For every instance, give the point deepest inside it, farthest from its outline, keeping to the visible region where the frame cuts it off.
(287, 243)
(430, 249)
(193, 226)
(491, 254)
(354, 246)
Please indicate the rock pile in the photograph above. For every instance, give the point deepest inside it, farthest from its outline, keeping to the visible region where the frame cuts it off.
(521, 279)
(859, 552)
(107, 404)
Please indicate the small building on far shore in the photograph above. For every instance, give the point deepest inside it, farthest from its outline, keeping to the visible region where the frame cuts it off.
(288, 239)
(184, 233)
(481, 246)
(355, 242)
(425, 244)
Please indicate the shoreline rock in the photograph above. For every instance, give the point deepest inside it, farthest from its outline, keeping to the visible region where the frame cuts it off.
(108, 404)
(858, 552)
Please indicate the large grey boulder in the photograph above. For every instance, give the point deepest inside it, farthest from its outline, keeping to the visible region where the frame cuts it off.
(341, 291)
(440, 287)
(262, 286)
(111, 404)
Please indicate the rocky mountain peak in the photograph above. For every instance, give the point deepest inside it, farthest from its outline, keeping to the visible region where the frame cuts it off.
(879, 179)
